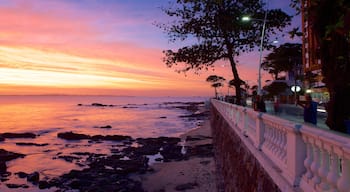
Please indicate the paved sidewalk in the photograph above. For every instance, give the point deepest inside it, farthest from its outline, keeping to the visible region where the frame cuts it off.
(295, 113)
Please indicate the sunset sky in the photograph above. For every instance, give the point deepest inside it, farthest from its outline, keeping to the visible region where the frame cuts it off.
(97, 47)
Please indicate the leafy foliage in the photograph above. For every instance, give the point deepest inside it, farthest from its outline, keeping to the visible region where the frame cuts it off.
(283, 59)
(330, 21)
(219, 32)
(216, 82)
(276, 88)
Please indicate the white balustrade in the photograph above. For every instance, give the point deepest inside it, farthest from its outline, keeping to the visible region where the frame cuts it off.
(327, 161)
(311, 158)
(250, 126)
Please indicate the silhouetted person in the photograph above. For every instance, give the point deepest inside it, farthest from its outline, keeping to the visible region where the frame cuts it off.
(260, 104)
(276, 106)
(310, 109)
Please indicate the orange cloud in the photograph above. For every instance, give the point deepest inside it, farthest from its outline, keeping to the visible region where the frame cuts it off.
(64, 50)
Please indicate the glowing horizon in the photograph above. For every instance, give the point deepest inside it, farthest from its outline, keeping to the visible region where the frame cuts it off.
(105, 47)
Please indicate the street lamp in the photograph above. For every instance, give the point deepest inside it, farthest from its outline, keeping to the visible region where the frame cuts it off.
(246, 18)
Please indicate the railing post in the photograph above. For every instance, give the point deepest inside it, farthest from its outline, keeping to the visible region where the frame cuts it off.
(343, 182)
(260, 131)
(243, 122)
(296, 153)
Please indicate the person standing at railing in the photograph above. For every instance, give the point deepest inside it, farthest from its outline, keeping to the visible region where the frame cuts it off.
(276, 105)
(310, 109)
(260, 104)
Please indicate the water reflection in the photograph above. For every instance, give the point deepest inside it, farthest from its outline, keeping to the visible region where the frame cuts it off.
(46, 116)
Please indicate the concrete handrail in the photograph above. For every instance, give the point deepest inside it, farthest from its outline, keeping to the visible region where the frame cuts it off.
(311, 159)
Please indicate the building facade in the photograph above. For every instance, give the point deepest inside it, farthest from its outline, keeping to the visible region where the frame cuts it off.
(311, 56)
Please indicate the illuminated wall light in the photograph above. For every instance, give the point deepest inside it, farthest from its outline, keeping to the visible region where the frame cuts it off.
(308, 91)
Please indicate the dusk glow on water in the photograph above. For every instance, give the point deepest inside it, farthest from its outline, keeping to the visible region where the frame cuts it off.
(46, 116)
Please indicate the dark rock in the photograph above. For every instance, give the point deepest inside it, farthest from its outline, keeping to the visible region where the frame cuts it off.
(68, 158)
(111, 137)
(43, 185)
(162, 117)
(78, 136)
(186, 186)
(3, 167)
(98, 105)
(18, 135)
(106, 127)
(21, 174)
(8, 156)
(32, 144)
(82, 153)
(72, 136)
(144, 150)
(2, 138)
(33, 177)
(80, 104)
(104, 174)
(127, 142)
(114, 150)
(172, 152)
(15, 186)
(158, 141)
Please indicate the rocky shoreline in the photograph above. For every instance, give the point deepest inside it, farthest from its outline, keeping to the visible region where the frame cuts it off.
(116, 171)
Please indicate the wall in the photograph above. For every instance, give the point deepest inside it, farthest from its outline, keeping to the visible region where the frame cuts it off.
(240, 169)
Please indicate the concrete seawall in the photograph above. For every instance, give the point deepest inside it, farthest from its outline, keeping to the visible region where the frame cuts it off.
(240, 169)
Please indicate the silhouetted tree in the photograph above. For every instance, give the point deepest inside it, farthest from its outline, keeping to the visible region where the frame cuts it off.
(284, 58)
(217, 32)
(276, 88)
(217, 81)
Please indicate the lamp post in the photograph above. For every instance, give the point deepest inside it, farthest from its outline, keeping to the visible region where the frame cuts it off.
(261, 46)
(261, 50)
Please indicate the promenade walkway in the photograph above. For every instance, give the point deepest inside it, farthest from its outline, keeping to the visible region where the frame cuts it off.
(296, 158)
(295, 114)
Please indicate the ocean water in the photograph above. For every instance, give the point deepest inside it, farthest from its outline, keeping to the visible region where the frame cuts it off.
(48, 115)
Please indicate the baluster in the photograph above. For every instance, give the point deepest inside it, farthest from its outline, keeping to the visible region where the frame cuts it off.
(333, 173)
(309, 159)
(280, 144)
(270, 138)
(344, 180)
(277, 142)
(324, 169)
(274, 141)
(315, 165)
(266, 136)
(284, 148)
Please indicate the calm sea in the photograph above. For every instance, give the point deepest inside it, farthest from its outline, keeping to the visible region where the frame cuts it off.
(48, 115)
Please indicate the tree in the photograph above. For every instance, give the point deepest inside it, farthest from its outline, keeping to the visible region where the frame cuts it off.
(219, 33)
(283, 59)
(276, 88)
(330, 21)
(216, 82)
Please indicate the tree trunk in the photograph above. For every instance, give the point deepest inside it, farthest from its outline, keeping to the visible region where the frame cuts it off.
(336, 70)
(334, 54)
(237, 82)
(337, 109)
